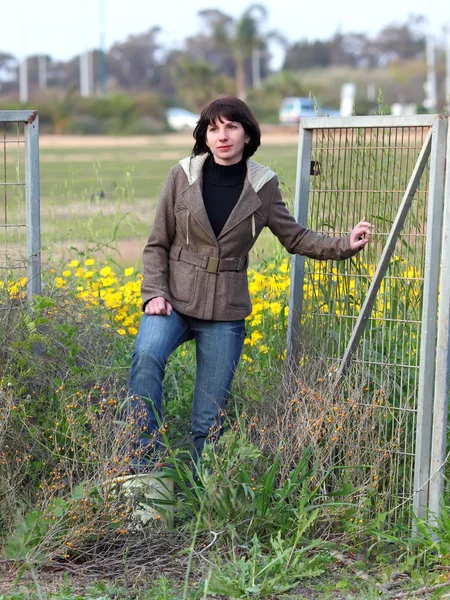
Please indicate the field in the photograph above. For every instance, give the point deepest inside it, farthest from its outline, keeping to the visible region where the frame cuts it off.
(99, 191)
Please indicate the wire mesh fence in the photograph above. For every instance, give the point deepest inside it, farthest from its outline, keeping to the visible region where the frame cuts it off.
(13, 213)
(349, 173)
(19, 213)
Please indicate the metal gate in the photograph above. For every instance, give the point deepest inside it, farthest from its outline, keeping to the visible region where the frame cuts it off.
(20, 243)
(380, 319)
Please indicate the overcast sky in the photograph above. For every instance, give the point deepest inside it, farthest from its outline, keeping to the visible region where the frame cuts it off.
(61, 28)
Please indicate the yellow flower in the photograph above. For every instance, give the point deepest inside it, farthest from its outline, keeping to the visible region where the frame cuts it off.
(67, 273)
(132, 330)
(107, 281)
(121, 331)
(59, 282)
(88, 274)
(89, 262)
(275, 307)
(74, 263)
(128, 272)
(105, 271)
(257, 320)
(254, 339)
(264, 349)
(257, 307)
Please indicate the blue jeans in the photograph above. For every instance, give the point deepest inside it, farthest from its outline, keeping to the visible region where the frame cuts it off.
(218, 349)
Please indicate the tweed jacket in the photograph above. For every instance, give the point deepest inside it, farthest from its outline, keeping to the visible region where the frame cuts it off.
(206, 277)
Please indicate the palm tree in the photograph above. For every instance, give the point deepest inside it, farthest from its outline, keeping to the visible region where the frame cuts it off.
(241, 40)
(247, 43)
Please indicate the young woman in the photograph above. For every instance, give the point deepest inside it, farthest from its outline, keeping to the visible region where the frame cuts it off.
(211, 211)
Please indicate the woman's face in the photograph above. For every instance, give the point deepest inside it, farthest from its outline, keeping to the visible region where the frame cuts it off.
(226, 140)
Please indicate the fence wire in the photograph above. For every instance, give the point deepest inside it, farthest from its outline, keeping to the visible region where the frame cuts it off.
(355, 174)
(13, 212)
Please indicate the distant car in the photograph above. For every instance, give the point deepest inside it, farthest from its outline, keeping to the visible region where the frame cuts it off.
(181, 119)
(293, 108)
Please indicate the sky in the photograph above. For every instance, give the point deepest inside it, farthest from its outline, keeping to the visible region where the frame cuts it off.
(62, 29)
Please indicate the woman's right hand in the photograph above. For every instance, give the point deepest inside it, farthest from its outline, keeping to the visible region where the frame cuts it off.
(158, 306)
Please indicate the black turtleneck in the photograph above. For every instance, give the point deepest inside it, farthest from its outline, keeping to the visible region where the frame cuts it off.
(222, 187)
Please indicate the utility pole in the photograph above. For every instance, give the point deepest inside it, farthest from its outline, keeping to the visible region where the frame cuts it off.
(42, 66)
(85, 79)
(256, 67)
(23, 64)
(430, 101)
(447, 57)
(90, 73)
(103, 66)
(23, 80)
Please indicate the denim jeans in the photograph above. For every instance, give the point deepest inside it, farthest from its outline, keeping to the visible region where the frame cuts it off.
(218, 349)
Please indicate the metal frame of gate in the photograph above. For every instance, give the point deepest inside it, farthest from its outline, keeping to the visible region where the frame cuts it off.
(19, 133)
(434, 363)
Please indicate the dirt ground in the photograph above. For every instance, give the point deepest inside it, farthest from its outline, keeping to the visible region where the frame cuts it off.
(271, 135)
(128, 250)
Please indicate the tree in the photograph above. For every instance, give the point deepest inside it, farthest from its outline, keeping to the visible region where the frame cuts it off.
(215, 44)
(133, 63)
(247, 39)
(401, 42)
(230, 45)
(200, 82)
(8, 70)
(307, 55)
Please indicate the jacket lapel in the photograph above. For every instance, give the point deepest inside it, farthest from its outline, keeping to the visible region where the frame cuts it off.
(193, 197)
(247, 204)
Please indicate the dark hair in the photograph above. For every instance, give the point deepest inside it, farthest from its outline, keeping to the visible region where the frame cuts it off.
(232, 109)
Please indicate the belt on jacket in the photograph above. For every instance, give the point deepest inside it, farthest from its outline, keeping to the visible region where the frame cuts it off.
(209, 263)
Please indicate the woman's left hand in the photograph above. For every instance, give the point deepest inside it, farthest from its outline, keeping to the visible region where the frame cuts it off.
(360, 235)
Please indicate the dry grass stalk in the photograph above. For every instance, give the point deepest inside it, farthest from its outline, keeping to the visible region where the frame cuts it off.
(345, 429)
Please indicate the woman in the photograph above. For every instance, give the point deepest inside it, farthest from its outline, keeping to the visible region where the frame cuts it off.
(211, 211)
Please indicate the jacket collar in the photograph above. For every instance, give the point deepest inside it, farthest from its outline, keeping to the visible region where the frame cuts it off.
(257, 174)
(248, 203)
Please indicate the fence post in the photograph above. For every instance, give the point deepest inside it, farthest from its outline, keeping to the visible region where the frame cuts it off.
(298, 263)
(442, 382)
(429, 320)
(32, 188)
